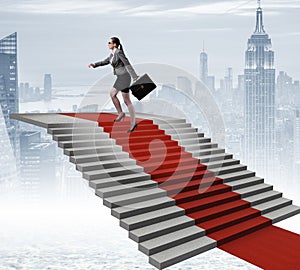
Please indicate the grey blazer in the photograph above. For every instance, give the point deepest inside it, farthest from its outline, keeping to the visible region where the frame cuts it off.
(120, 63)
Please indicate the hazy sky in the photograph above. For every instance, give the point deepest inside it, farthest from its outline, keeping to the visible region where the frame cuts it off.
(61, 37)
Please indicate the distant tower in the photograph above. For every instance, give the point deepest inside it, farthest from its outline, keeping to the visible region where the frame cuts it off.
(9, 96)
(47, 87)
(228, 80)
(259, 83)
(209, 81)
(203, 66)
(296, 153)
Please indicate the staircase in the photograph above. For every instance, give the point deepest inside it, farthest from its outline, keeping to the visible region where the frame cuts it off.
(174, 190)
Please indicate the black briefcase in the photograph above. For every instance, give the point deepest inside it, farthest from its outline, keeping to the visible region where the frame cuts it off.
(142, 86)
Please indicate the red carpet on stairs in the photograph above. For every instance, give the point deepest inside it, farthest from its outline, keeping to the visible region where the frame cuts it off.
(237, 228)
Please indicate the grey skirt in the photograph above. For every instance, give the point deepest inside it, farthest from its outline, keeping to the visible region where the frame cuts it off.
(123, 82)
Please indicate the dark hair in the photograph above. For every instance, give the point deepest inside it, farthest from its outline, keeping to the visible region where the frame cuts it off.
(117, 41)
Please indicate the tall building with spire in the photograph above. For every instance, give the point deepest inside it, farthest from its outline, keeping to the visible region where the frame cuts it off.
(207, 80)
(203, 65)
(259, 85)
(9, 97)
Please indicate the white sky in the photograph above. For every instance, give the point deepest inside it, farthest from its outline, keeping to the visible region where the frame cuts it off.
(62, 37)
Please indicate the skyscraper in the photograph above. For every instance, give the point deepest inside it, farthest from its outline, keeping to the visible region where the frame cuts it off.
(259, 76)
(203, 66)
(209, 81)
(9, 97)
(8, 170)
(47, 87)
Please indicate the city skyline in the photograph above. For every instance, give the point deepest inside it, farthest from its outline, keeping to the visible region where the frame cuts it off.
(196, 22)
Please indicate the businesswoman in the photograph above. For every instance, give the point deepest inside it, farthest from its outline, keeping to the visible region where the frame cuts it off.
(123, 70)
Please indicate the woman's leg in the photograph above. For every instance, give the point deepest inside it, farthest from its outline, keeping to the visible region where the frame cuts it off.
(115, 100)
(130, 107)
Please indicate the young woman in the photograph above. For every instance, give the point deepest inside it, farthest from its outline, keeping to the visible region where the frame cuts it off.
(123, 70)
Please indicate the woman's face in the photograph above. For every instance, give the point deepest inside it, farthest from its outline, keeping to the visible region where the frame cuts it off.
(111, 45)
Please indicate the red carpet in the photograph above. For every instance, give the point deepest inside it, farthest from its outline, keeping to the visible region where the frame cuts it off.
(270, 248)
(238, 228)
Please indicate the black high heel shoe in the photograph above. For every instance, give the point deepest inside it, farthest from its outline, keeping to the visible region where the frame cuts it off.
(132, 129)
(122, 117)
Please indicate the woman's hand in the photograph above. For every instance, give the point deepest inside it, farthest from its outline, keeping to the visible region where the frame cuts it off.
(91, 65)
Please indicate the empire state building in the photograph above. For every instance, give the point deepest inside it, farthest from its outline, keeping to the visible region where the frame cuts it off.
(259, 74)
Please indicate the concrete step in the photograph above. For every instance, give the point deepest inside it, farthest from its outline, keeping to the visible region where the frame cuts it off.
(180, 130)
(229, 169)
(182, 252)
(178, 136)
(160, 228)
(199, 146)
(215, 157)
(188, 141)
(232, 176)
(117, 180)
(141, 220)
(75, 130)
(252, 190)
(220, 163)
(125, 188)
(85, 143)
(92, 149)
(111, 172)
(140, 196)
(98, 157)
(171, 121)
(81, 136)
(272, 205)
(283, 213)
(96, 165)
(174, 125)
(74, 124)
(170, 240)
(142, 207)
(263, 197)
(246, 182)
(205, 152)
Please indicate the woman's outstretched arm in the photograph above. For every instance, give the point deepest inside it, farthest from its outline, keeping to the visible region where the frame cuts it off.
(101, 63)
